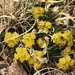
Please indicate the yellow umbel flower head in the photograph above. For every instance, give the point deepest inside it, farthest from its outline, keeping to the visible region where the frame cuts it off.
(11, 42)
(67, 35)
(37, 11)
(44, 25)
(72, 62)
(28, 39)
(65, 62)
(31, 60)
(57, 38)
(40, 42)
(22, 54)
(66, 51)
(37, 65)
(38, 53)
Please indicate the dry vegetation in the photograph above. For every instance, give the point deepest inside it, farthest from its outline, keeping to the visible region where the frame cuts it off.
(15, 15)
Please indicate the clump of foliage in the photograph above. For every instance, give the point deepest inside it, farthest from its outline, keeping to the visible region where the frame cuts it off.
(39, 35)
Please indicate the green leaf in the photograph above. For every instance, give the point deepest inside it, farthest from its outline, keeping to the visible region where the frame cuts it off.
(55, 49)
(48, 16)
(55, 53)
(59, 27)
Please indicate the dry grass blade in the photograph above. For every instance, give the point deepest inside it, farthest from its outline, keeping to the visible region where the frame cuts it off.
(67, 16)
(49, 72)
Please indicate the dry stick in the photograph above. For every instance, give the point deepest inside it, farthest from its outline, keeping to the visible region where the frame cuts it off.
(6, 61)
(17, 11)
(51, 71)
(2, 27)
(56, 1)
(48, 68)
(63, 9)
(4, 12)
(11, 4)
(20, 8)
(68, 17)
(2, 51)
(24, 19)
(67, 5)
(4, 57)
(73, 73)
(3, 16)
(26, 5)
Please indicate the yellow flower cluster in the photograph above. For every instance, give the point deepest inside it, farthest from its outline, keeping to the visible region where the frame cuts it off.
(38, 56)
(45, 25)
(11, 42)
(28, 39)
(40, 42)
(37, 11)
(65, 62)
(37, 59)
(36, 64)
(58, 39)
(68, 37)
(62, 38)
(38, 53)
(67, 51)
(22, 54)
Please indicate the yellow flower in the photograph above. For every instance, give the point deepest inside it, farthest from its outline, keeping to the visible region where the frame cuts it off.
(67, 58)
(16, 56)
(28, 39)
(37, 12)
(66, 51)
(45, 25)
(16, 40)
(61, 66)
(37, 65)
(40, 42)
(58, 39)
(21, 54)
(32, 35)
(67, 35)
(31, 60)
(29, 43)
(27, 57)
(60, 9)
(11, 42)
(66, 66)
(72, 62)
(69, 43)
(41, 24)
(38, 53)
(48, 24)
(65, 62)
(7, 36)
(62, 38)
(62, 60)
